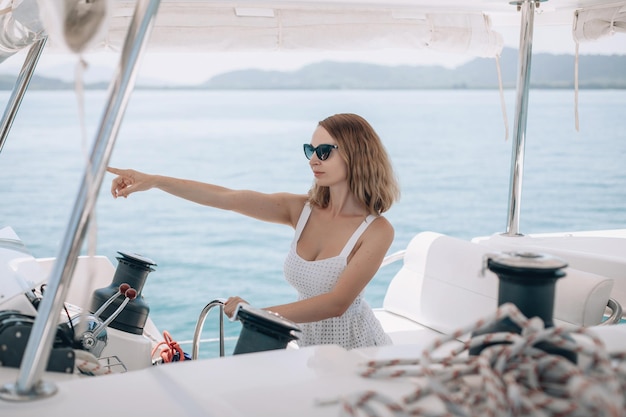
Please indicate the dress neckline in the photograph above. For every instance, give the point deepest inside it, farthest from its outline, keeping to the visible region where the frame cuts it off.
(345, 252)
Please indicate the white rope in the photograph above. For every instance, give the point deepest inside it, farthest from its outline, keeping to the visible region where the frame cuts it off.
(502, 101)
(512, 377)
(79, 87)
(576, 63)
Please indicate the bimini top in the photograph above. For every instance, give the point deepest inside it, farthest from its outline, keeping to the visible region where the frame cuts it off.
(211, 25)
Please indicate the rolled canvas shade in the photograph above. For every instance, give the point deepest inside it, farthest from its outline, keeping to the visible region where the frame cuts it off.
(594, 23)
(591, 24)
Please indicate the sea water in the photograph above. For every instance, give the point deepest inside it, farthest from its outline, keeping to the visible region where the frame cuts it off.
(449, 148)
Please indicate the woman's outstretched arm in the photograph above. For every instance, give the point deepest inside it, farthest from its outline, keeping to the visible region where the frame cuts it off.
(282, 208)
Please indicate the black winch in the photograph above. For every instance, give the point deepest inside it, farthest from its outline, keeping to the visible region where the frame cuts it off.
(132, 269)
(527, 280)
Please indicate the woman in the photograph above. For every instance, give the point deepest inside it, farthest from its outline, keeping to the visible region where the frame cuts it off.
(340, 236)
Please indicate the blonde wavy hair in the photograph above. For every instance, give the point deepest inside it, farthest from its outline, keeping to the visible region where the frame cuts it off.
(370, 174)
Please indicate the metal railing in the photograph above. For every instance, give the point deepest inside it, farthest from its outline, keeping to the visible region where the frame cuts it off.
(21, 85)
(616, 313)
(195, 347)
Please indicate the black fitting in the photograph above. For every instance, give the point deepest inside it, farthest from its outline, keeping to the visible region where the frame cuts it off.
(263, 330)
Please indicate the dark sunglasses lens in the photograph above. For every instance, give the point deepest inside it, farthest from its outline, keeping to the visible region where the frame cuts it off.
(323, 152)
(308, 150)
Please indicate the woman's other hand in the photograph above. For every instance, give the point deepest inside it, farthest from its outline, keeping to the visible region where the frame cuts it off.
(230, 306)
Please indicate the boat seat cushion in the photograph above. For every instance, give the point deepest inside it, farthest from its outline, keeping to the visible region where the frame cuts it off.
(441, 286)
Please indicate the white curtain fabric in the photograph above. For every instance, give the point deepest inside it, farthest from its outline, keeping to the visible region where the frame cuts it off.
(465, 33)
(591, 24)
(20, 25)
(75, 25)
(595, 23)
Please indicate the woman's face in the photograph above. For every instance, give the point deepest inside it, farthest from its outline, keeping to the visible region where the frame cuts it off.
(334, 169)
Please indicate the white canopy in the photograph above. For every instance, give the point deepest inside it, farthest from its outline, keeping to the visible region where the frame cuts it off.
(216, 25)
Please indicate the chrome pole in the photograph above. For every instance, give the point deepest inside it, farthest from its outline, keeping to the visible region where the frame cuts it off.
(21, 85)
(29, 384)
(527, 8)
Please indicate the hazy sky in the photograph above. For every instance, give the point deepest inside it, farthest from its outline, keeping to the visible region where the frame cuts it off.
(193, 69)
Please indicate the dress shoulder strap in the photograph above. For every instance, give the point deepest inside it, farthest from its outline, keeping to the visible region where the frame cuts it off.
(356, 235)
(304, 217)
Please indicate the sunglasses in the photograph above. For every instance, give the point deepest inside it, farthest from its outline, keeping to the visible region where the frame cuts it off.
(322, 151)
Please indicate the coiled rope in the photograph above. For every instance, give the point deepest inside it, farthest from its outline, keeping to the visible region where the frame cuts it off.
(172, 352)
(509, 378)
(87, 364)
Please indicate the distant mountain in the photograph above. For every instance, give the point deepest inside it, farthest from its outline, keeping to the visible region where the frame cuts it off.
(337, 75)
(548, 71)
(36, 83)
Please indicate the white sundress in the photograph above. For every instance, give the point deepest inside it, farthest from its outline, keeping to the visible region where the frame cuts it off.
(357, 327)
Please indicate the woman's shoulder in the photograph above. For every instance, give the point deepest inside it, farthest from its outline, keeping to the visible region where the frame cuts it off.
(295, 204)
(381, 227)
(381, 221)
(378, 236)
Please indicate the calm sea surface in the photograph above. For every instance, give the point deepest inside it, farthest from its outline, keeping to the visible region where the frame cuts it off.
(448, 148)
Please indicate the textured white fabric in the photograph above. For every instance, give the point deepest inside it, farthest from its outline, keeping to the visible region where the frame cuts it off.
(357, 327)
